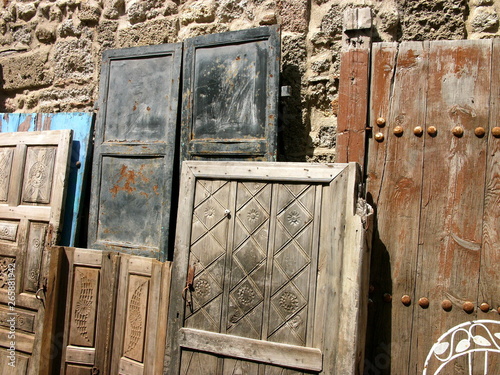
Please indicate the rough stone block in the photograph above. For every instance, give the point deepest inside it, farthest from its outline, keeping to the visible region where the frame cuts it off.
(23, 33)
(294, 15)
(46, 33)
(202, 11)
(136, 13)
(25, 11)
(148, 33)
(433, 19)
(229, 10)
(73, 60)
(26, 70)
(89, 12)
(484, 19)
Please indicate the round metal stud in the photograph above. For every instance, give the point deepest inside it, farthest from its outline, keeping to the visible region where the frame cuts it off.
(380, 122)
(418, 131)
(498, 310)
(446, 305)
(468, 307)
(432, 131)
(398, 131)
(423, 302)
(479, 132)
(379, 137)
(458, 131)
(484, 307)
(406, 300)
(496, 131)
(387, 297)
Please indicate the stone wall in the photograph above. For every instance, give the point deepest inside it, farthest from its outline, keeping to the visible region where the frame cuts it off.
(50, 50)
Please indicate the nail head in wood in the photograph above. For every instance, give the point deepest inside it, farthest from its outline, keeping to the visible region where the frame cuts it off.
(496, 131)
(468, 307)
(485, 307)
(458, 131)
(398, 131)
(418, 131)
(380, 122)
(406, 300)
(446, 305)
(479, 132)
(379, 137)
(423, 302)
(387, 297)
(432, 131)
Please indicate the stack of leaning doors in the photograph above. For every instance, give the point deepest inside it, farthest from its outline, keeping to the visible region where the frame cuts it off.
(269, 276)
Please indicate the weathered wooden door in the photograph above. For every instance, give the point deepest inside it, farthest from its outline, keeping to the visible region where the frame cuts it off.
(81, 123)
(230, 95)
(33, 177)
(133, 164)
(115, 313)
(89, 297)
(273, 255)
(434, 179)
(141, 316)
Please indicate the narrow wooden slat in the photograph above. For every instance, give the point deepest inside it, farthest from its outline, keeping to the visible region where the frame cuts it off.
(309, 359)
(382, 74)
(354, 86)
(353, 104)
(243, 171)
(398, 200)
(80, 355)
(450, 233)
(489, 282)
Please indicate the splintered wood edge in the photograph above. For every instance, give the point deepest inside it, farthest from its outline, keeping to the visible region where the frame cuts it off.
(298, 357)
(269, 171)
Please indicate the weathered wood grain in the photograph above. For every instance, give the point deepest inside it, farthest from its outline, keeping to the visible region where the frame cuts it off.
(133, 165)
(450, 231)
(264, 267)
(396, 182)
(308, 359)
(489, 285)
(37, 181)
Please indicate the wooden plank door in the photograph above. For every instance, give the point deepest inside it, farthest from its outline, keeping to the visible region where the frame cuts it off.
(432, 175)
(89, 298)
(268, 270)
(141, 316)
(82, 125)
(134, 150)
(33, 170)
(230, 95)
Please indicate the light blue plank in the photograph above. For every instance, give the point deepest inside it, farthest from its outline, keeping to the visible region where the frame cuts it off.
(13, 122)
(81, 123)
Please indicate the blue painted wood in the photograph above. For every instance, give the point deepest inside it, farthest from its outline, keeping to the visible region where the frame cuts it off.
(82, 124)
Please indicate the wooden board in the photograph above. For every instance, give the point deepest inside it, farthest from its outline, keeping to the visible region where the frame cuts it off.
(230, 95)
(141, 316)
(81, 124)
(268, 270)
(435, 201)
(133, 164)
(34, 169)
(89, 298)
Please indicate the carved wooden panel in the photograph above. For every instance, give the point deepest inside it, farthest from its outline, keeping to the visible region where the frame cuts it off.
(260, 299)
(37, 181)
(6, 155)
(141, 307)
(34, 170)
(89, 294)
(133, 164)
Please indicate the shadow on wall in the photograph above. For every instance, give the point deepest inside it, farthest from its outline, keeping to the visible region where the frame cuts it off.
(292, 131)
(378, 336)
